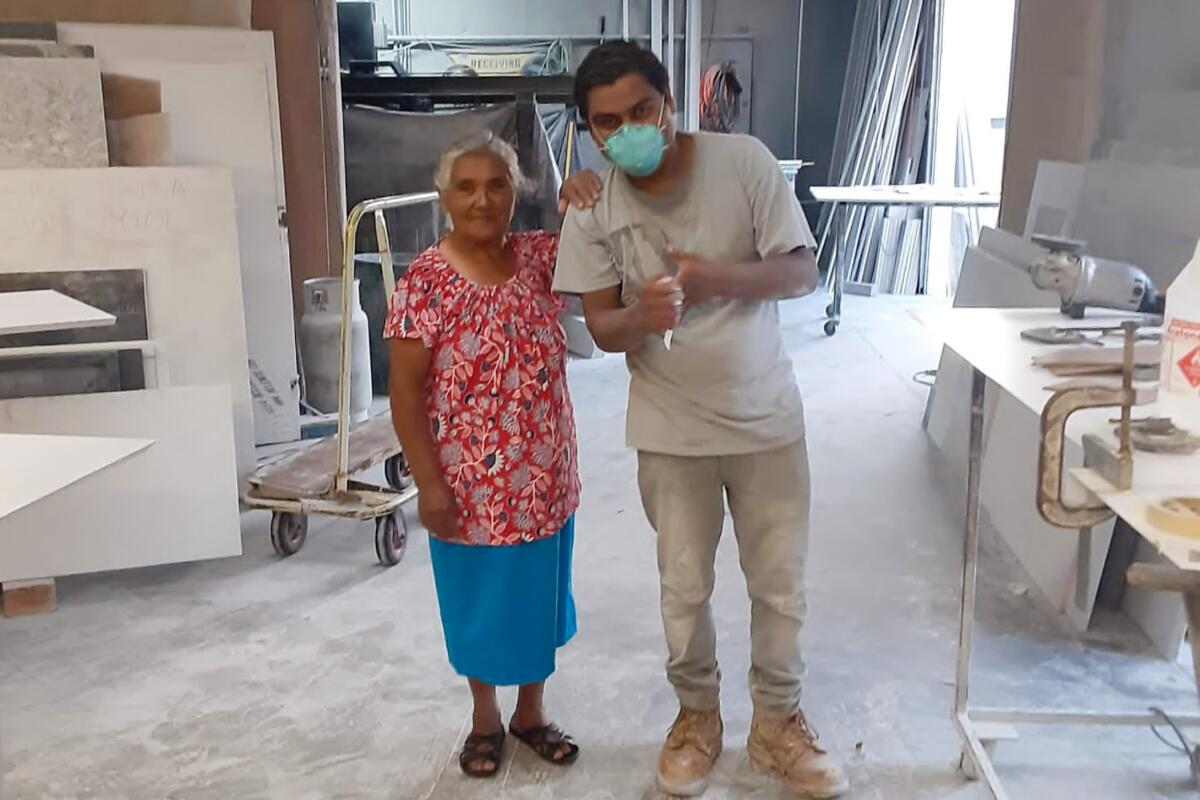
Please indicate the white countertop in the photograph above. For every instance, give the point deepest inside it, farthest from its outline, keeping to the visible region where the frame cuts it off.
(47, 310)
(35, 466)
(989, 339)
(915, 194)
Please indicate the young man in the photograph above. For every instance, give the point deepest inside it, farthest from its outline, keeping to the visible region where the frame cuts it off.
(693, 239)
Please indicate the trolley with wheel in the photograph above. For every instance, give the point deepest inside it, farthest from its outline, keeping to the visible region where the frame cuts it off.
(315, 479)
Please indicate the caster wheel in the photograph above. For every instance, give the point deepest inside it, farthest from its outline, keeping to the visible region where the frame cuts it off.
(967, 766)
(391, 538)
(288, 532)
(830, 328)
(395, 472)
(829, 310)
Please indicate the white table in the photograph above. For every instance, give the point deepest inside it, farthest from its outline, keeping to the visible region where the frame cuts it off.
(47, 310)
(917, 194)
(989, 339)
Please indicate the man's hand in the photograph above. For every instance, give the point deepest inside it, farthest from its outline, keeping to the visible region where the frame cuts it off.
(659, 305)
(438, 511)
(581, 190)
(700, 280)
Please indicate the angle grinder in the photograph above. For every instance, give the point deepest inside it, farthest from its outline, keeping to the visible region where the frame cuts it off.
(1083, 281)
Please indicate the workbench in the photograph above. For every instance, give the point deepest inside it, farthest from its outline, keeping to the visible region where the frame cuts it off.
(989, 340)
(920, 195)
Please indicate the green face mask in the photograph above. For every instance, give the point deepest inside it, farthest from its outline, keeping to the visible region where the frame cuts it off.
(637, 150)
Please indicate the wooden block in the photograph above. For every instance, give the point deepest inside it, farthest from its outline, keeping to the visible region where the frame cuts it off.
(22, 598)
(139, 141)
(127, 96)
(1163, 578)
(861, 289)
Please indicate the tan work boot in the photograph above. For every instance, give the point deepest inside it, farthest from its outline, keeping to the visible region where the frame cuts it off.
(788, 749)
(690, 752)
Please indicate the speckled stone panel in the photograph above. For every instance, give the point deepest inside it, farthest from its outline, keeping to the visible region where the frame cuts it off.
(51, 113)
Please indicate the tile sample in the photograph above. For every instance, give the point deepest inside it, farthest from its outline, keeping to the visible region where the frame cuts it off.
(51, 113)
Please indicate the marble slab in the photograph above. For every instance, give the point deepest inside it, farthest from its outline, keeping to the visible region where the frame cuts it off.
(51, 113)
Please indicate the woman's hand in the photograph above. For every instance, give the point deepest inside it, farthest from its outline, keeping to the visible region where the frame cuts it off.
(438, 511)
(581, 190)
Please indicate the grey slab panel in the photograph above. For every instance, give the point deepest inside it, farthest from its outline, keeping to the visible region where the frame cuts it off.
(73, 373)
(51, 113)
(45, 31)
(33, 48)
(120, 292)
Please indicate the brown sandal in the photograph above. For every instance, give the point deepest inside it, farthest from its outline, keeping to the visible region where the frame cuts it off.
(550, 743)
(478, 750)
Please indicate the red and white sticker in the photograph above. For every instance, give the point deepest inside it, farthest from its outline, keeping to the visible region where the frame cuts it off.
(1189, 365)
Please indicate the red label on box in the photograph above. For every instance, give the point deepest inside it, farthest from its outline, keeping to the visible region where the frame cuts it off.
(1183, 329)
(1189, 365)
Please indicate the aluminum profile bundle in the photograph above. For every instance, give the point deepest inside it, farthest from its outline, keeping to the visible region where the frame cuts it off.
(882, 139)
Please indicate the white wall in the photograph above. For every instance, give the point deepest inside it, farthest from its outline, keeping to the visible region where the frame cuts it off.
(973, 90)
(1152, 45)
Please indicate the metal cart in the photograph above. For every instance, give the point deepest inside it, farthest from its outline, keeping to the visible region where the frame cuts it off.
(316, 478)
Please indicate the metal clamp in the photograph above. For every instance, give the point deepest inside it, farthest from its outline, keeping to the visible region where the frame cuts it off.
(1058, 410)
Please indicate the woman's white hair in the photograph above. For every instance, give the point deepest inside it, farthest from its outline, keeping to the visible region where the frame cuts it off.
(481, 143)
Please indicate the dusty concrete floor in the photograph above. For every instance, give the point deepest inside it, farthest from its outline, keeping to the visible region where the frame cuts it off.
(324, 676)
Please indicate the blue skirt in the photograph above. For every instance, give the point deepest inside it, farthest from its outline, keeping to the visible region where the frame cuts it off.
(506, 610)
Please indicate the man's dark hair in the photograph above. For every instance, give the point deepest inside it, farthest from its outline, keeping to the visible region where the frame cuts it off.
(608, 63)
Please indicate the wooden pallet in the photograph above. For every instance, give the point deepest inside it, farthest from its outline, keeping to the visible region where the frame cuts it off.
(309, 472)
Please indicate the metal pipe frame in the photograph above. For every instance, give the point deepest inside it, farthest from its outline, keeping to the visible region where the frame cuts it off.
(669, 49)
(977, 761)
(378, 204)
(692, 34)
(656, 28)
(796, 107)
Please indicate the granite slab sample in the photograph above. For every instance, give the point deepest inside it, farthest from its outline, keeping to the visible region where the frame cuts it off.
(51, 113)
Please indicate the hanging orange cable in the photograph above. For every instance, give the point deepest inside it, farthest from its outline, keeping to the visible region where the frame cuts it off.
(720, 98)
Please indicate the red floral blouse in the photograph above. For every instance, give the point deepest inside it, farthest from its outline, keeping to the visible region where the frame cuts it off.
(497, 391)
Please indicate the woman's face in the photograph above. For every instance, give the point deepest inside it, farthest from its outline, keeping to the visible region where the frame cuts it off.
(480, 198)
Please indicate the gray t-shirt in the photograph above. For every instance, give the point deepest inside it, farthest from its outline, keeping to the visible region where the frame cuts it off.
(726, 386)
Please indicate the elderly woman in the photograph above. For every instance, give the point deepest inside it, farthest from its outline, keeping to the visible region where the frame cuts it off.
(479, 401)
